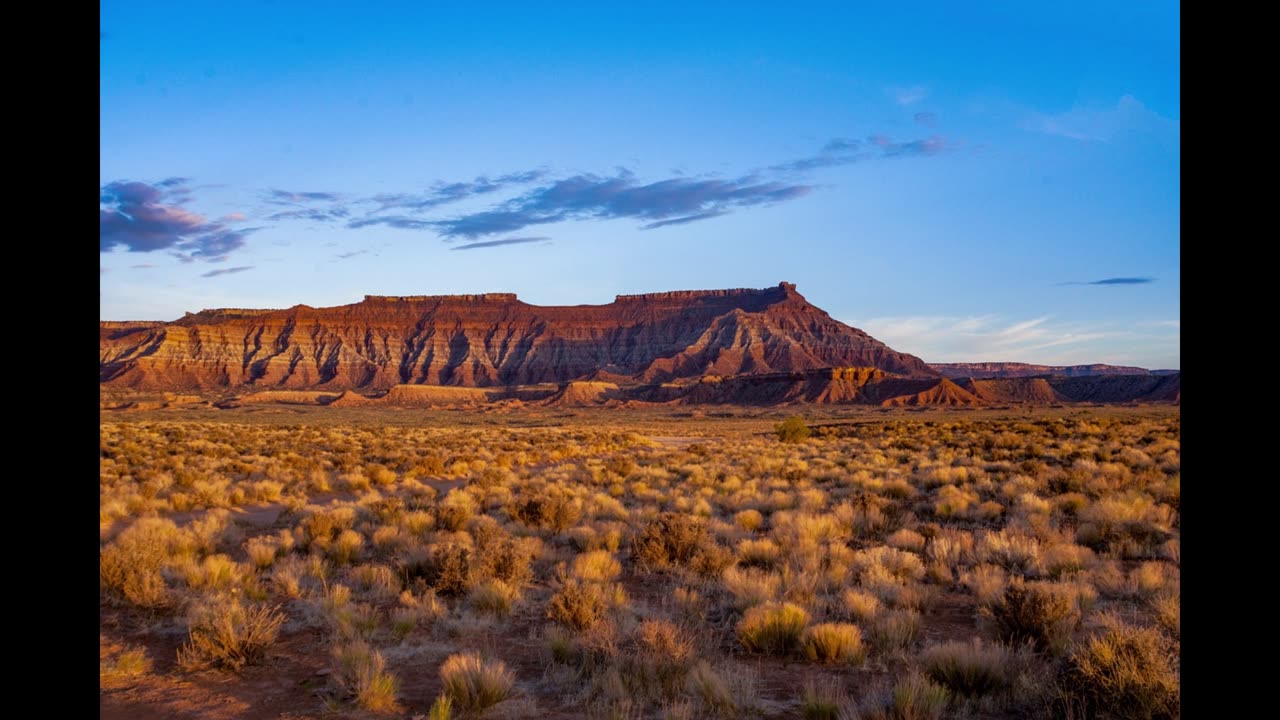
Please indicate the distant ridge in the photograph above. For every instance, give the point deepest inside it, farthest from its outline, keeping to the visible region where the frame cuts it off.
(987, 370)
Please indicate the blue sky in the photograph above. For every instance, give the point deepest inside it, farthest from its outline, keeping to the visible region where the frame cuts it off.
(991, 183)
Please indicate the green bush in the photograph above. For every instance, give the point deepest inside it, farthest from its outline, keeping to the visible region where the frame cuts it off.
(792, 430)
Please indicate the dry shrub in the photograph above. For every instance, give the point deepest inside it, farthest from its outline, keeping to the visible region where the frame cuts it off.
(129, 568)
(1130, 671)
(449, 569)
(225, 634)
(986, 582)
(545, 510)
(887, 562)
(474, 683)
(1042, 615)
(671, 539)
(577, 605)
(834, 643)
(905, 539)
(773, 628)
(662, 655)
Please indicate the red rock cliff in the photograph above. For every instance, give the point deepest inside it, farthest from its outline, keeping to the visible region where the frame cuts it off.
(491, 339)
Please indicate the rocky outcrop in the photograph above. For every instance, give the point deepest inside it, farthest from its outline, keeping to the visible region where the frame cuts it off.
(987, 370)
(491, 340)
(1036, 391)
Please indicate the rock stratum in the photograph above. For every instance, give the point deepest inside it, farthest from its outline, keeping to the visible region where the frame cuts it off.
(742, 346)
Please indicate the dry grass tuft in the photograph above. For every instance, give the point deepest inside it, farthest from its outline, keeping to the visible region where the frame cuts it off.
(474, 683)
(361, 671)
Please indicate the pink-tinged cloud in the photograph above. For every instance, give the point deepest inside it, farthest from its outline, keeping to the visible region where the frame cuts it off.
(234, 217)
(144, 218)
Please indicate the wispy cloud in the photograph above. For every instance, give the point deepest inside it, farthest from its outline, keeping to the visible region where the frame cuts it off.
(909, 95)
(315, 214)
(1102, 124)
(988, 337)
(227, 271)
(684, 220)
(927, 146)
(349, 255)
(499, 243)
(587, 197)
(1114, 281)
(443, 193)
(290, 197)
(847, 151)
(142, 217)
(927, 119)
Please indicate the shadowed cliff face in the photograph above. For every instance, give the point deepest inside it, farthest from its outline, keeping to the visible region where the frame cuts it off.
(490, 340)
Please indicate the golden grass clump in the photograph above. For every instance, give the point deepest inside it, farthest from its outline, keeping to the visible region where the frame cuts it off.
(750, 520)
(860, 604)
(773, 628)
(833, 644)
(473, 683)
(750, 587)
(128, 665)
(597, 566)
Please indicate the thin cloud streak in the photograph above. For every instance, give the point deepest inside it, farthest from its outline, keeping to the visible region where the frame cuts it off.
(227, 271)
(499, 243)
(1113, 281)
